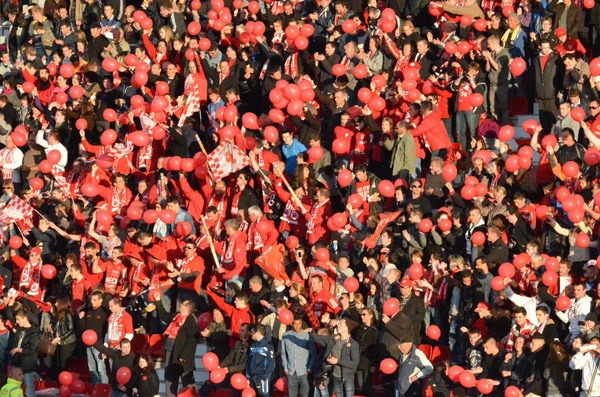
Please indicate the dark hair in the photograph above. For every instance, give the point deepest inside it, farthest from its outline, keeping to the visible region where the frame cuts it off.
(150, 362)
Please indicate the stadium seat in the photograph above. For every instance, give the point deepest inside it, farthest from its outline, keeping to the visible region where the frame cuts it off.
(101, 390)
(223, 393)
(439, 354)
(156, 346)
(427, 349)
(139, 344)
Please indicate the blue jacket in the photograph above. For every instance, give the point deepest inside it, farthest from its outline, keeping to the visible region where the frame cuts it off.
(414, 364)
(261, 362)
(297, 353)
(291, 153)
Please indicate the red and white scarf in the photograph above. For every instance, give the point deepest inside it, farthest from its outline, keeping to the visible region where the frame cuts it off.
(313, 213)
(291, 65)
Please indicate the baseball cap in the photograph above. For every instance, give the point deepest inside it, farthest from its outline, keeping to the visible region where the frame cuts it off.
(405, 283)
(481, 306)
(560, 32)
(95, 25)
(36, 250)
(591, 263)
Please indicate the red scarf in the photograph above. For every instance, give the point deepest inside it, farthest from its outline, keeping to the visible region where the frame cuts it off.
(173, 328)
(291, 65)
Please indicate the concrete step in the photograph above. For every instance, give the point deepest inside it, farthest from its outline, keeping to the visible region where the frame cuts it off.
(200, 374)
(522, 118)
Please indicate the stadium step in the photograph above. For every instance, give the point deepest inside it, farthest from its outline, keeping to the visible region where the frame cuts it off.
(200, 374)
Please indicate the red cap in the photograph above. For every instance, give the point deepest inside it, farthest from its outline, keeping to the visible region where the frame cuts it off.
(482, 306)
(560, 32)
(36, 250)
(406, 282)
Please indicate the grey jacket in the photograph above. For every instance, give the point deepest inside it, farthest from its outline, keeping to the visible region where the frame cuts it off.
(403, 154)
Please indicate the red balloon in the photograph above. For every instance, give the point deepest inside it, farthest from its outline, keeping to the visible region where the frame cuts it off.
(210, 361)
(193, 28)
(525, 162)
(28, 86)
(89, 337)
(550, 278)
(146, 23)
(108, 137)
(123, 375)
(301, 43)
(45, 166)
(281, 384)
(507, 270)
(552, 264)
(361, 71)
(322, 255)
(480, 25)
(341, 146)
(476, 99)
(391, 307)
(139, 138)
(511, 391)
(562, 193)
(351, 284)
(578, 114)
(48, 271)
(65, 378)
(286, 317)
(413, 95)
(454, 372)
(218, 375)
(271, 134)
(230, 113)
(339, 70)
(595, 66)
(140, 78)
(388, 365)
(434, 332)
(294, 108)
(582, 240)
(76, 92)
(467, 379)
(67, 70)
(481, 190)
(90, 190)
(484, 386)
(307, 30)
(253, 7)
(541, 211)
(239, 381)
(355, 200)
(379, 81)
(425, 225)
(36, 184)
(434, 11)
(134, 212)
(65, 391)
(292, 242)
(512, 163)
(467, 192)
(81, 124)
(315, 154)
(15, 242)
(415, 271)
(104, 217)
(345, 178)
(77, 386)
(109, 115)
(187, 165)
(530, 126)
(167, 216)
(466, 20)
(506, 133)
(248, 392)
(592, 156)
(365, 95)
(464, 47)
(250, 121)
(349, 26)
(201, 172)
(589, 4)
(449, 172)
(339, 220)
(386, 188)
(19, 138)
(53, 156)
(570, 169)
(386, 25)
(451, 47)
(518, 66)
(478, 239)
(563, 303)
(110, 65)
(497, 283)
(445, 225)
(204, 319)
(377, 103)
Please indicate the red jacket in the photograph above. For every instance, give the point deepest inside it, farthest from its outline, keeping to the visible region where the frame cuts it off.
(238, 316)
(434, 131)
(262, 241)
(317, 222)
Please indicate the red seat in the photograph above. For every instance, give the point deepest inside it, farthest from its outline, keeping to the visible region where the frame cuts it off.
(139, 343)
(223, 393)
(439, 354)
(101, 390)
(518, 105)
(156, 346)
(427, 349)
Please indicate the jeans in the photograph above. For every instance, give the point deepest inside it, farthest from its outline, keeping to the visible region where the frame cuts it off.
(96, 365)
(318, 392)
(297, 384)
(466, 120)
(29, 382)
(343, 387)
(455, 341)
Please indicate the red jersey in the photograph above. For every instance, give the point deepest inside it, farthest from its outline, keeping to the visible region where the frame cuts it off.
(136, 276)
(234, 255)
(93, 278)
(113, 279)
(30, 277)
(324, 301)
(191, 265)
(120, 325)
(80, 290)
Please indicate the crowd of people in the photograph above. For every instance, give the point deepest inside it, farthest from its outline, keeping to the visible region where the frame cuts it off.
(335, 196)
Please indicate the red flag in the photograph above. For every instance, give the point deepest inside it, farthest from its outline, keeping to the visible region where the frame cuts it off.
(384, 220)
(226, 159)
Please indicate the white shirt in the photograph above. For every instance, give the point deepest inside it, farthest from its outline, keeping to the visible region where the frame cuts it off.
(576, 313)
(587, 364)
(64, 154)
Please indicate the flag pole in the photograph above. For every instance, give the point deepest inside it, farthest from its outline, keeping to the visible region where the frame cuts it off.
(287, 184)
(38, 212)
(210, 242)
(210, 174)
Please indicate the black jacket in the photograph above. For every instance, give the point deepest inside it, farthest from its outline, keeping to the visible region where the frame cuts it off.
(184, 350)
(349, 356)
(27, 339)
(548, 81)
(237, 359)
(95, 319)
(147, 384)
(415, 310)
(118, 361)
(367, 338)
(398, 328)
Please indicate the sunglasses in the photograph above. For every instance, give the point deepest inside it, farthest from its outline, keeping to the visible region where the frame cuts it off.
(594, 107)
(415, 187)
